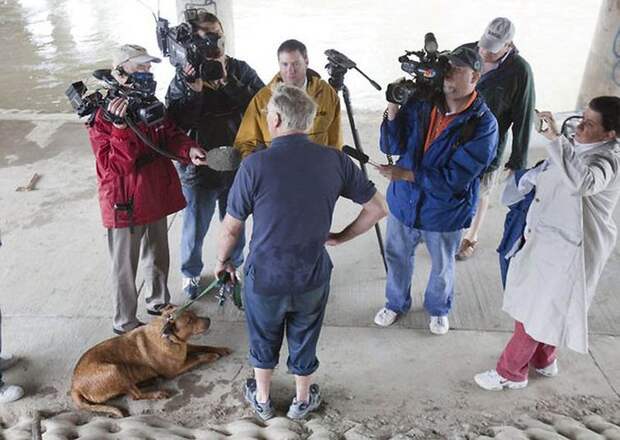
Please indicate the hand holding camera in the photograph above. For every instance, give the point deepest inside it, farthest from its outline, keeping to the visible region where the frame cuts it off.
(190, 73)
(545, 124)
(117, 109)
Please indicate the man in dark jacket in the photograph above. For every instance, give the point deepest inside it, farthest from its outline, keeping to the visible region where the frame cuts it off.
(138, 188)
(211, 111)
(507, 86)
(444, 147)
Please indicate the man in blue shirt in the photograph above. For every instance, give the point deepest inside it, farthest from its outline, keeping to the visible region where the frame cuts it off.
(444, 147)
(291, 190)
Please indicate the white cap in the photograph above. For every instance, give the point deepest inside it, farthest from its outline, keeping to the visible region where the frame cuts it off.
(132, 52)
(499, 32)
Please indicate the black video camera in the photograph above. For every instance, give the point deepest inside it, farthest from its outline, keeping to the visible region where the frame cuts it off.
(183, 45)
(142, 105)
(428, 73)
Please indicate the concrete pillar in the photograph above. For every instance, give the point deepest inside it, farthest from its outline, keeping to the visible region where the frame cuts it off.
(224, 11)
(602, 73)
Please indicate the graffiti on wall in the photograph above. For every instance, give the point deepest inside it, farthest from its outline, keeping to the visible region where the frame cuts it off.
(615, 73)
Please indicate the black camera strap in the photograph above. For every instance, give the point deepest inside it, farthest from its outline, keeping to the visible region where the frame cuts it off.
(144, 138)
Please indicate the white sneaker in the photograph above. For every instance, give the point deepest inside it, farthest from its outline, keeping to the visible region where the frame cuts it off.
(10, 393)
(191, 286)
(385, 317)
(492, 381)
(439, 325)
(549, 370)
(7, 361)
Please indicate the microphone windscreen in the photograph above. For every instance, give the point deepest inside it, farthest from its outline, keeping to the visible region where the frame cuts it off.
(355, 154)
(223, 159)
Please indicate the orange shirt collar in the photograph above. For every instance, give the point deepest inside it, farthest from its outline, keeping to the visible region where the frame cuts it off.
(469, 102)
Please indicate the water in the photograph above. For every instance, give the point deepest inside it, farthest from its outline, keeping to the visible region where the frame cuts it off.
(47, 44)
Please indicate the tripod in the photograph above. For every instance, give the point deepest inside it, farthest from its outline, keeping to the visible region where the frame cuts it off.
(336, 80)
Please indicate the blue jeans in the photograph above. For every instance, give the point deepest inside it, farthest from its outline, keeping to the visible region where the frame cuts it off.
(401, 243)
(196, 219)
(268, 316)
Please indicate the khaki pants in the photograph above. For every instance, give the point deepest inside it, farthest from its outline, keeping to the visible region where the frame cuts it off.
(149, 245)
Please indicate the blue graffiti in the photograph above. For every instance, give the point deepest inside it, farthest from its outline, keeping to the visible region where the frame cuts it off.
(616, 47)
(615, 72)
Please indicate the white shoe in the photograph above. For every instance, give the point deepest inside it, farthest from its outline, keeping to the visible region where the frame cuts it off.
(549, 370)
(10, 393)
(439, 325)
(7, 361)
(385, 317)
(191, 286)
(492, 381)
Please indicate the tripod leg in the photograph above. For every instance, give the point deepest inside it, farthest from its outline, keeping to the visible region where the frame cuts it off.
(381, 248)
(358, 146)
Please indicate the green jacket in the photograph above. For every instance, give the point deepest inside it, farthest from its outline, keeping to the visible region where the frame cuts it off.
(509, 93)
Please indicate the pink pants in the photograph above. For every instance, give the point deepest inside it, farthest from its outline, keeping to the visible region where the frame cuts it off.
(521, 352)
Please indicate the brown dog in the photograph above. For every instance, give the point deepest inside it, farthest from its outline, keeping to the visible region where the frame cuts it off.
(116, 366)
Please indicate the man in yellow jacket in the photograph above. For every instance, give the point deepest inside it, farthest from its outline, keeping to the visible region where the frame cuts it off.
(293, 61)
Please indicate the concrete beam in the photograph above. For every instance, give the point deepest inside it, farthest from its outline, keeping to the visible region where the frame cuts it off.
(602, 74)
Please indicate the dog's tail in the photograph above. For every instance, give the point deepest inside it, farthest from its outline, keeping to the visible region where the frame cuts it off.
(82, 403)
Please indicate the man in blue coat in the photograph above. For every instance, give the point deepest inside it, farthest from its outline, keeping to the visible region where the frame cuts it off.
(444, 147)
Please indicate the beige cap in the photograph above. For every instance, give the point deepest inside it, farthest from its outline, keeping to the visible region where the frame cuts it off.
(132, 52)
(499, 32)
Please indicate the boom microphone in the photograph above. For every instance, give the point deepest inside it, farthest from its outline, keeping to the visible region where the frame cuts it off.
(355, 154)
(223, 159)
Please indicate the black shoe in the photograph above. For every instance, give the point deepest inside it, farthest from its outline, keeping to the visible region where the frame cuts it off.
(122, 332)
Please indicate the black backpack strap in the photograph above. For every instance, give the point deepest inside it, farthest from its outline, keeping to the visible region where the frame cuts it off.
(468, 129)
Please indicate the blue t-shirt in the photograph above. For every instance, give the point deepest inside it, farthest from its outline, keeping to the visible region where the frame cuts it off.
(291, 189)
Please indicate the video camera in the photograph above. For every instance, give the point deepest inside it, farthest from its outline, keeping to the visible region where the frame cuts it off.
(183, 45)
(142, 105)
(428, 73)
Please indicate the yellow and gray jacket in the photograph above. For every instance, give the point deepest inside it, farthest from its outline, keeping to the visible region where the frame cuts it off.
(326, 129)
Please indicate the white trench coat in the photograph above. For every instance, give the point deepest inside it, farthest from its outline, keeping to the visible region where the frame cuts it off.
(570, 234)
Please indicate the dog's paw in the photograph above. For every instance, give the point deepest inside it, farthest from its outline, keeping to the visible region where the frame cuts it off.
(161, 394)
(209, 357)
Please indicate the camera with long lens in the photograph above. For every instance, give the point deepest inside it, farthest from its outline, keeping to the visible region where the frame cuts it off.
(184, 46)
(428, 72)
(142, 105)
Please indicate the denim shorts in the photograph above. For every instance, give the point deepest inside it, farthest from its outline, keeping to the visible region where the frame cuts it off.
(268, 317)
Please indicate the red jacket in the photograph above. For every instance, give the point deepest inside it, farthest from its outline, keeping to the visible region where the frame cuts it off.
(137, 185)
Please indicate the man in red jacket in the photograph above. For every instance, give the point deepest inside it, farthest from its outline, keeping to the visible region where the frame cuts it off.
(138, 188)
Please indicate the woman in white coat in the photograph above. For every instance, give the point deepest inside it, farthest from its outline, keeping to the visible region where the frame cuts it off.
(568, 237)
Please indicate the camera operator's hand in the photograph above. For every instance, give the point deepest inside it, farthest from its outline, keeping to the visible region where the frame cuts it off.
(394, 172)
(223, 80)
(392, 110)
(118, 107)
(198, 156)
(197, 84)
(552, 131)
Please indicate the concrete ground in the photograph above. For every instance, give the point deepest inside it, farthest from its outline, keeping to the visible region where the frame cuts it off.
(376, 382)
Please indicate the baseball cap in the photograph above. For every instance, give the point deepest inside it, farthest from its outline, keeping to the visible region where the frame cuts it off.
(132, 52)
(466, 57)
(499, 32)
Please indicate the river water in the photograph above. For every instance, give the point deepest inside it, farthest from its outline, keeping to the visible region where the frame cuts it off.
(47, 44)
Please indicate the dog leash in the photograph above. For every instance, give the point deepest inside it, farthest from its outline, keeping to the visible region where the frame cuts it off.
(225, 287)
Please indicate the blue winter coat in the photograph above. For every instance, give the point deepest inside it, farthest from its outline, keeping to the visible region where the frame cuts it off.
(514, 225)
(444, 193)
